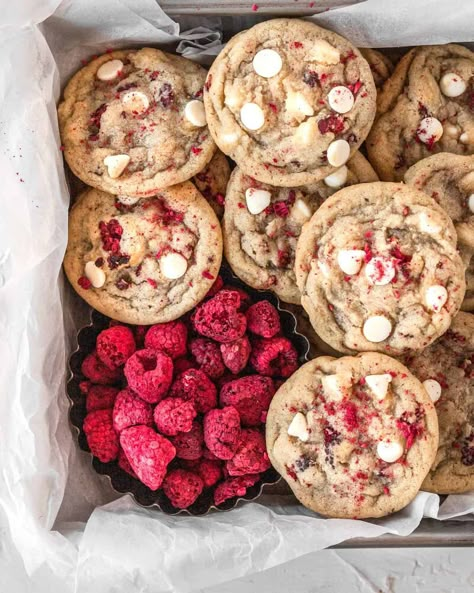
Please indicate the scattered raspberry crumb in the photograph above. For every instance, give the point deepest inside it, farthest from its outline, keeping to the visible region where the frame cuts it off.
(222, 432)
(100, 397)
(169, 338)
(95, 370)
(254, 7)
(173, 415)
(100, 435)
(115, 345)
(84, 283)
(206, 274)
(234, 487)
(149, 373)
(263, 319)
(251, 456)
(275, 357)
(182, 488)
(130, 410)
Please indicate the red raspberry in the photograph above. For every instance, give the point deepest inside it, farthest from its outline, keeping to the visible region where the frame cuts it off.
(251, 456)
(275, 357)
(124, 464)
(236, 354)
(182, 364)
(245, 300)
(115, 345)
(95, 370)
(129, 410)
(182, 488)
(149, 373)
(169, 338)
(251, 396)
(173, 415)
(219, 318)
(148, 453)
(208, 357)
(100, 397)
(101, 436)
(263, 319)
(234, 487)
(222, 432)
(195, 385)
(215, 288)
(189, 444)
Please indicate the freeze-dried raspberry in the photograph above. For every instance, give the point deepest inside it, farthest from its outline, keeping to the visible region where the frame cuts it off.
(169, 338)
(189, 444)
(195, 385)
(251, 456)
(236, 354)
(173, 415)
(115, 345)
(275, 357)
(100, 397)
(208, 357)
(140, 332)
(251, 396)
(148, 453)
(218, 284)
(182, 488)
(245, 299)
(182, 364)
(208, 455)
(149, 373)
(101, 436)
(129, 410)
(124, 464)
(209, 470)
(263, 319)
(222, 432)
(227, 378)
(234, 487)
(95, 370)
(219, 318)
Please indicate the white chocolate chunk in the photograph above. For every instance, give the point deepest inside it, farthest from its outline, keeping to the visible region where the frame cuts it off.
(299, 427)
(128, 200)
(380, 271)
(229, 138)
(390, 451)
(452, 85)
(303, 208)
(377, 328)
(350, 260)
(338, 178)
(433, 388)
(252, 116)
(338, 153)
(94, 274)
(135, 101)
(341, 99)
(379, 384)
(324, 52)
(116, 164)
(429, 130)
(267, 63)
(195, 114)
(470, 202)
(110, 70)
(336, 386)
(257, 200)
(297, 103)
(173, 265)
(464, 138)
(307, 131)
(452, 131)
(436, 296)
(427, 226)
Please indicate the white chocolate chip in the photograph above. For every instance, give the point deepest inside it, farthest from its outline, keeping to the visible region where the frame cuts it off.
(429, 130)
(229, 138)
(324, 52)
(377, 328)
(436, 296)
(338, 153)
(379, 384)
(389, 451)
(195, 114)
(303, 208)
(252, 116)
(338, 178)
(470, 202)
(173, 265)
(116, 164)
(433, 388)
(452, 85)
(464, 138)
(341, 99)
(307, 131)
(257, 200)
(350, 260)
(336, 386)
(128, 200)
(297, 103)
(299, 427)
(94, 274)
(380, 271)
(110, 70)
(135, 101)
(427, 226)
(267, 63)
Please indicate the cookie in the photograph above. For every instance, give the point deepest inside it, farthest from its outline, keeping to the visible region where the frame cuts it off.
(354, 437)
(262, 223)
(446, 369)
(449, 180)
(212, 182)
(378, 269)
(145, 263)
(380, 65)
(425, 107)
(289, 101)
(133, 122)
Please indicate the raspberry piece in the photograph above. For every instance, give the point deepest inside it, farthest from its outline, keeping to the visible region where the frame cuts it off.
(182, 364)
(173, 415)
(222, 432)
(234, 487)
(251, 396)
(101, 436)
(251, 456)
(149, 373)
(195, 385)
(115, 345)
(124, 464)
(236, 354)
(95, 370)
(245, 300)
(209, 470)
(219, 318)
(148, 454)
(100, 397)
(129, 410)
(182, 488)
(275, 357)
(263, 319)
(189, 444)
(207, 356)
(218, 284)
(169, 338)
